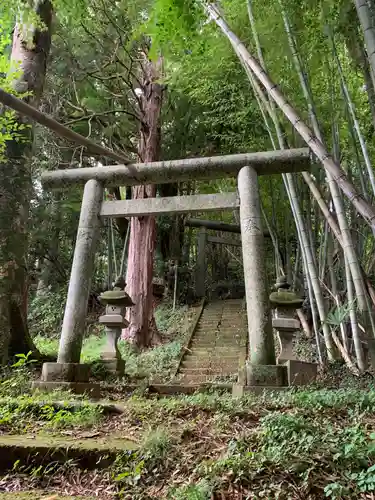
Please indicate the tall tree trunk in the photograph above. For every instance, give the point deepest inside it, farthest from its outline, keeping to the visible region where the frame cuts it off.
(30, 49)
(142, 329)
(364, 15)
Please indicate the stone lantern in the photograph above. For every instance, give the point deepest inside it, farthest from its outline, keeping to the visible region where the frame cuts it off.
(116, 301)
(285, 302)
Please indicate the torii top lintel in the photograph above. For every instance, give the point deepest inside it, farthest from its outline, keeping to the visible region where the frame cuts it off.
(164, 172)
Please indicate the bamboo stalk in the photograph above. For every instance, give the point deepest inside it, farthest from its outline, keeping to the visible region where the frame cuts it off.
(310, 265)
(365, 18)
(352, 111)
(364, 208)
(348, 246)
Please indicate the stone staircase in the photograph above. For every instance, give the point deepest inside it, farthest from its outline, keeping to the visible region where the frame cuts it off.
(218, 346)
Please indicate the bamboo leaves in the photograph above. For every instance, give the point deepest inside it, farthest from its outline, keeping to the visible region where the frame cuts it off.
(362, 206)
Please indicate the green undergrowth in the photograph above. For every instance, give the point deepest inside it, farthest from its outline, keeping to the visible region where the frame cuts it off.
(47, 411)
(312, 443)
(30, 495)
(158, 362)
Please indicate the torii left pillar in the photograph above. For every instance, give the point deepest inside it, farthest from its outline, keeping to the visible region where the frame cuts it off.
(68, 372)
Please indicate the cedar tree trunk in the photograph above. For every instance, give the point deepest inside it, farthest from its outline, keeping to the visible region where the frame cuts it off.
(30, 49)
(142, 329)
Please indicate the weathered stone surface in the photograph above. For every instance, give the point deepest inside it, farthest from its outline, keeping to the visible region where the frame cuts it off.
(81, 275)
(261, 343)
(286, 323)
(116, 366)
(91, 389)
(215, 167)
(66, 372)
(238, 390)
(114, 320)
(171, 204)
(286, 298)
(266, 375)
(218, 345)
(301, 372)
(286, 346)
(116, 297)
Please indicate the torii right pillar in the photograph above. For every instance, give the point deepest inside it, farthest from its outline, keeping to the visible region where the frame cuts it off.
(261, 367)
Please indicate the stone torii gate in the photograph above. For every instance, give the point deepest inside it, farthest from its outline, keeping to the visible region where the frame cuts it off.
(68, 371)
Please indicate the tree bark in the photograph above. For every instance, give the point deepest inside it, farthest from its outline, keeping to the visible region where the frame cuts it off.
(142, 329)
(30, 51)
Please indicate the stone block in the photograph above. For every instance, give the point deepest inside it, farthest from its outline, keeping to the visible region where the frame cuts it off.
(113, 365)
(286, 323)
(266, 375)
(237, 390)
(258, 389)
(301, 372)
(90, 389)
(242, 374)
(65, 372)
(114, 320)
(286, 347)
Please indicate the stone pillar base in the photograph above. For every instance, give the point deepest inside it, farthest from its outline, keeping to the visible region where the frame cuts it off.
(266, 375)
(65, 372)
(238, 390)
(67, 376)
(301, 372)
(88, 388)
(114, 366)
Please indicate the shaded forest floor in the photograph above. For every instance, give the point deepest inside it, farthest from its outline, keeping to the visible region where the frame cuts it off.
(312, 443)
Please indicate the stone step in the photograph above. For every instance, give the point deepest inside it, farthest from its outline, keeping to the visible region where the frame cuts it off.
(202, 379)
(208, 371)
(222, 328)
(208, 363)
(214, 356)
(219, 338)
(87, 452)
(214, 344)
(218, 351)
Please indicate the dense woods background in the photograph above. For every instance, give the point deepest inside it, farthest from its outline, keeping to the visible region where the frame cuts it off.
(156, 80)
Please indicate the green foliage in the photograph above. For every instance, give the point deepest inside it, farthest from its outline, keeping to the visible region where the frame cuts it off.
(201, 491)
(16, 379)
(24, 411)
(46, 316)
(130, 468)
(318, 441)
(172, 25)
(46, 313)
(339, 314)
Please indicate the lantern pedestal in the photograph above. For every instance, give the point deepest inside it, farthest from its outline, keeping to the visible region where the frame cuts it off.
(116, 301)
(286, 325)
